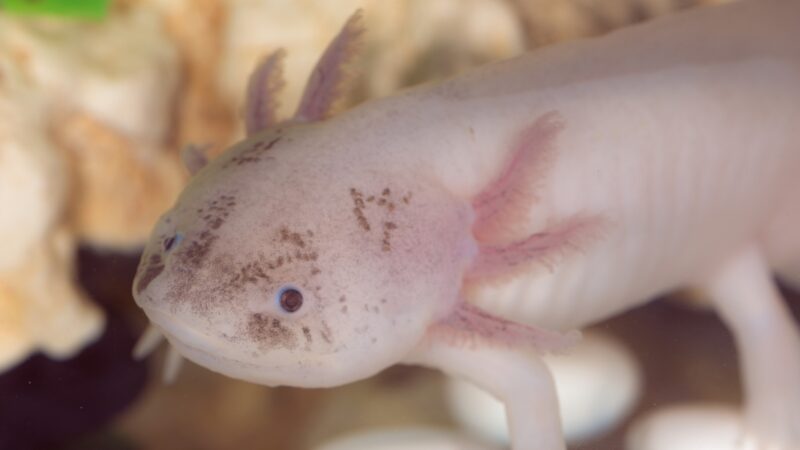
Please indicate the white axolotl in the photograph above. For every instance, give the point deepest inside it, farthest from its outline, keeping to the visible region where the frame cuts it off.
(473, 224)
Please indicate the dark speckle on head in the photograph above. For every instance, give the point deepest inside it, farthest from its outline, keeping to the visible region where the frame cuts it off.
(375, 206)
(271, 332)
(214, 214)
(362, 221)
(251, 273)
(153, 269)
(358, 209)
(197, 249)
(292, 238)
(386, 243)
(253, 153)
(235, 276)
(215, 222)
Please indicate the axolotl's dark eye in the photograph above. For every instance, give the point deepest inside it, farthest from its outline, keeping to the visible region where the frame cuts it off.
(170, 242)
(290, 299)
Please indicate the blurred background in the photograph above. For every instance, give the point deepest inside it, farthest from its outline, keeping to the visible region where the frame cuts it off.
(96, 100)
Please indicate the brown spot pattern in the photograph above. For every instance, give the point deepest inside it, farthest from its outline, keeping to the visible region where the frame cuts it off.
(386, 202)
(258, 270)
(292, 237)
(271, 332)
(386, 243)
(358, 209)
(153, 269)
(198, 249)
(214, 214)
(253, 153)
(251, 273)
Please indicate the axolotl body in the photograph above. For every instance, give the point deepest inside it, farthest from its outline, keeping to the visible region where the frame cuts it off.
(473, 224)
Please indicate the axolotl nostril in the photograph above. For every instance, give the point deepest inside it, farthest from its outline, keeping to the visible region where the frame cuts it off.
(474, 224)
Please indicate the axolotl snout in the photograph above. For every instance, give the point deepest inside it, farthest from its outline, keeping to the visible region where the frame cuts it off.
(257, 282)
(474, 224)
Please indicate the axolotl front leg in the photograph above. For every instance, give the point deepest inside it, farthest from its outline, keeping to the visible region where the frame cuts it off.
(501, 356)
(514, 374)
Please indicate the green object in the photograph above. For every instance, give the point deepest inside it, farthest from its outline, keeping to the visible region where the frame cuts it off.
(79, 9)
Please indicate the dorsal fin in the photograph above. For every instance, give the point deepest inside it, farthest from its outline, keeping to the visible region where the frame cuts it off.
(325, 83)
(263, 87)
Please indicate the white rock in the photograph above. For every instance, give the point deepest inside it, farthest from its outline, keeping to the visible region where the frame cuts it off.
(403, 439)
(408, 40)
(687, 427)
(33, 181)
(123, 70)
(598, 382)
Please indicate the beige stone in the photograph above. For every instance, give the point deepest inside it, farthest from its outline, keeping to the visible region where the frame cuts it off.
(405, 42)
(118, 191)
(85, 120)
(40, 307)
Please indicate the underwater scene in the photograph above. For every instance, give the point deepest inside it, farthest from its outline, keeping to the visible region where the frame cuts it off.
(400, 224)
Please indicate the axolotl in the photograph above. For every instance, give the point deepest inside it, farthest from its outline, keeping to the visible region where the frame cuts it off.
(474, 224)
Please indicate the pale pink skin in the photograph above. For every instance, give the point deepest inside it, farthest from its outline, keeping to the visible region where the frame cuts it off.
(552, 190)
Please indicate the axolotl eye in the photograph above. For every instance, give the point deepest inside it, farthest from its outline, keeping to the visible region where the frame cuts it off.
(290, 299)
(170, 242)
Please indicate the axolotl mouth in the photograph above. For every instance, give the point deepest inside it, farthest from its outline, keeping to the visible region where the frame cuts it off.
(227, 357)
(195, 346)
(190, 343)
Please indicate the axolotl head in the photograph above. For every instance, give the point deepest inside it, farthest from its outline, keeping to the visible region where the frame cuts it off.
(292, 260)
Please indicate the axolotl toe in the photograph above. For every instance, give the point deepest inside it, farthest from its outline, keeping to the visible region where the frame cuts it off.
(474, 224)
